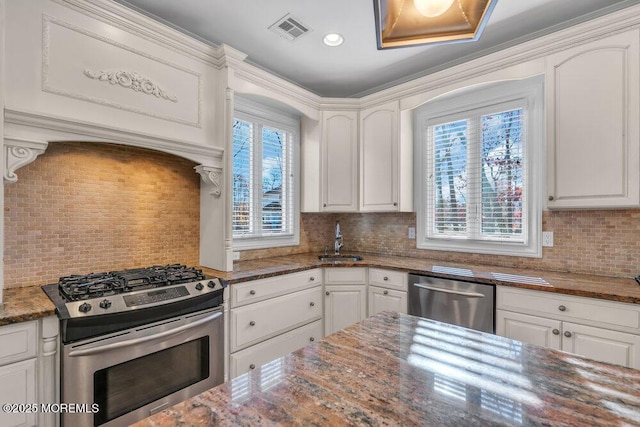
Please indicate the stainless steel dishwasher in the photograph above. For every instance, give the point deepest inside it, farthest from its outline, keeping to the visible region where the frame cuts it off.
(457, 302)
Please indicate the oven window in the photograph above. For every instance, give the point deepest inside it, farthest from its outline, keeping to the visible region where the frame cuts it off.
(130, 385)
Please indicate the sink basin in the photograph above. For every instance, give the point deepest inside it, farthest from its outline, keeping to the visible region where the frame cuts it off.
(339, 258)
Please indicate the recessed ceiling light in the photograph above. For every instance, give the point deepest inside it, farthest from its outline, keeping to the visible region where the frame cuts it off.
(333, 39)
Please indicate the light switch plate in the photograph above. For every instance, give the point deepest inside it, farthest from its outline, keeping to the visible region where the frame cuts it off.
(412, 233)
(547, 239)
(236, 256)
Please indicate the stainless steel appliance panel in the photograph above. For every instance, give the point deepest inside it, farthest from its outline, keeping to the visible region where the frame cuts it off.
(466, 304)
(131, 374)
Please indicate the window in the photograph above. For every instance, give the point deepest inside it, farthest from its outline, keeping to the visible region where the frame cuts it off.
(265, 164)
(480, 169)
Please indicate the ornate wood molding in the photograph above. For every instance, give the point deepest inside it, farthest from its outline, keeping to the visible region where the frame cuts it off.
(18, 153)
(212, 176)
(131, 80)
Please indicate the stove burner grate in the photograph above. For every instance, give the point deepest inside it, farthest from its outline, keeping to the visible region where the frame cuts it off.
(79, 287)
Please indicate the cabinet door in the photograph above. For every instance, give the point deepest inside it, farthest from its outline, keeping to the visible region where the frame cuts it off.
(381, 299)
(18, 385)
(340, 161)
(379, 139)
(259, 354)
(603, 345)
(593, 139)
(531, 329)
(344, 305)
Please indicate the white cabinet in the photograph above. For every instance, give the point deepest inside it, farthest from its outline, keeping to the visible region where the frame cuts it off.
(379, 166)
(593, 139)
(28, 371)
(387, 291)
(600, 330)
(339, 161)
(272, 317)
(345, 297)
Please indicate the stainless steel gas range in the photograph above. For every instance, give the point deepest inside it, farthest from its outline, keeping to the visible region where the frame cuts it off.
(137, 341)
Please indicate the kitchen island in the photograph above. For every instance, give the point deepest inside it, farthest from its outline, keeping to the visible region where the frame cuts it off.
(395, 369)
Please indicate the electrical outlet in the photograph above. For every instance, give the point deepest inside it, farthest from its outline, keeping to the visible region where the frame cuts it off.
(412, 233)
(547, 239)
(236, 256)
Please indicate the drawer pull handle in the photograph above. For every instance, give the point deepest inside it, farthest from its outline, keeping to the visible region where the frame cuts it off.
(252, 292)
(312, 339)
(562, 308)
(567, 334)
(326, 293)
(252, 323)
(312, 303)
(385, 292)
(385, 278)
(252, 366)
(556, 332)
(311, 279)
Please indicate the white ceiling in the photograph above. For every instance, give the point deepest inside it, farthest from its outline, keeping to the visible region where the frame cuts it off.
(355, 68)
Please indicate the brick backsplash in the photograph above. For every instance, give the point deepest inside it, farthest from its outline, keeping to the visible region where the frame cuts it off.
(600, 242)
(83, 207)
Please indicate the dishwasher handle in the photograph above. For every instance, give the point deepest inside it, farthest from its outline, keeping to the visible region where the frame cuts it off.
(450, 291)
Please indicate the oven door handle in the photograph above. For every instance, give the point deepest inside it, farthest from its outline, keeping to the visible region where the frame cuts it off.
(450, 291)
(135, 341)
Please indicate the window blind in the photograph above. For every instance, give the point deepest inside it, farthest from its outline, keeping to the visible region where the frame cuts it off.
(263, 193)
(476, 187)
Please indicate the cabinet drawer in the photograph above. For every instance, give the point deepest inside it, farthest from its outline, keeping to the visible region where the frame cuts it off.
(257, 322)
(345, 276)
(17, 342)
(591, 311)
(259, 354)
(259, 290)
(388, 279)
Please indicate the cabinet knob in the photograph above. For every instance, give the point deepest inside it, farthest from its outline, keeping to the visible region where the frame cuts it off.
(385, 292)
(252, 323)
(312, 339)
(567, 334)
(385, 278)
(326, 293)
(312, 303)
(311, 279)
(556, 332)
(551, 198)
(324, 205)
(252, 366)
(252, 292)
(395, 203)
(562, 308)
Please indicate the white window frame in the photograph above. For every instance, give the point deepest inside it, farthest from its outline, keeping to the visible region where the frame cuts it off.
(268, 115)
(528, 93)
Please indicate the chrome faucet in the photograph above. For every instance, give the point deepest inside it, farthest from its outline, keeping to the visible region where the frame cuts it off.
(338, 242)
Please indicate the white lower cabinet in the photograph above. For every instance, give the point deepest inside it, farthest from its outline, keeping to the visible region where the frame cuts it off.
(28, 372)
(387, 291)
(345, 301)
(273, 317)
(600, 330)
(259, 354)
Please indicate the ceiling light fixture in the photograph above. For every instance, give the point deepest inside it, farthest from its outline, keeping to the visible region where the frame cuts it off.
(403, 23)
(333, 39)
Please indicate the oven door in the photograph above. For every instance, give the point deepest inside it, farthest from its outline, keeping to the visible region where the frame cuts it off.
(123, 377)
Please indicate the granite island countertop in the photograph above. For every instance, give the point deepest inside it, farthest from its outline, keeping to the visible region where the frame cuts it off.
(396, 369)
(30, 303)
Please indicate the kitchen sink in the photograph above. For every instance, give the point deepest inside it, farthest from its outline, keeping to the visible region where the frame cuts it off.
(339, 258)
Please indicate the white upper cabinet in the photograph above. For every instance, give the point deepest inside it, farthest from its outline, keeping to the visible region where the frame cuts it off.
(593, 140)
(379, 166)
(339, 161)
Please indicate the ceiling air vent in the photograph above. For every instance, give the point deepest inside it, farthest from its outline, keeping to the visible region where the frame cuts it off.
(289, 27)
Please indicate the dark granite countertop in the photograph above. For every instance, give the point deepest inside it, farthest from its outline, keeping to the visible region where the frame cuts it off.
(22, 304)
(396, 369)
